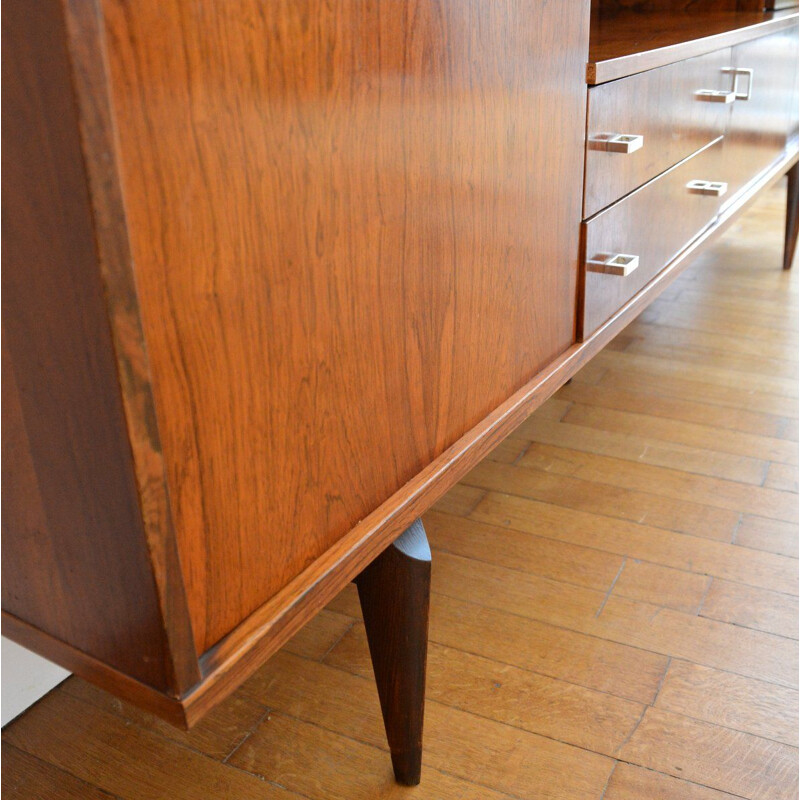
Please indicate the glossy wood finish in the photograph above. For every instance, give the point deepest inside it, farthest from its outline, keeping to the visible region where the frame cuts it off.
(394, 591)
(331, 264)
(534, 699)
(628, 43)
(228, 667)
(120, 684)
(239, 655)
(655, 223)
(75, 560)
(759, 127)
(790, 237)
(661, 106)
(313, 195)
(85, 42)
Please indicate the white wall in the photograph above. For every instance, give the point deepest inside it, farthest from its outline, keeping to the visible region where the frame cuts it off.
(25, 678)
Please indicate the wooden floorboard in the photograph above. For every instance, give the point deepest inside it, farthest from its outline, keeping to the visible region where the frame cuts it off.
(614, 611)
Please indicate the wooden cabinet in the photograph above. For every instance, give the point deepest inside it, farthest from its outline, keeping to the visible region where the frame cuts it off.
(277, 274)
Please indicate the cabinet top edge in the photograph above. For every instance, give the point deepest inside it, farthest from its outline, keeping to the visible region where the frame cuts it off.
(641, 43)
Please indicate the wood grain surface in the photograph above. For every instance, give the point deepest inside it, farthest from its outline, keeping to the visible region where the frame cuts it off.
(75, 560)
(654, 223)
(85, 43)
(314, 194)
(659, 105)
(549, 674)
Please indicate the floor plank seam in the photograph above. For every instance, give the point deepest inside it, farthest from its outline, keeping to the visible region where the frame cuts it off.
(633, 730)
(684, 471)
(476, 503)
(608, 782)
(724, 727)
(709, 427)
(469, 712)
(338, 640)
(737, 528)
(749, 627)
(60, 768)
(247, 735)
(372, 746)
(661, 682)
(606, 639)
(611, 588)
(547, 675)
(516, 460)
(439, 548)
(705, 595)
(466, 481)
(731, 795)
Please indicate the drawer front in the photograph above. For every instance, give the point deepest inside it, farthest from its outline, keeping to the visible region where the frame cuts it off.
(654, 224)
(661, 106)
(760, 126)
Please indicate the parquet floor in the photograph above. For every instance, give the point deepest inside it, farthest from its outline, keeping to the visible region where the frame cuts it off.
(615, 599)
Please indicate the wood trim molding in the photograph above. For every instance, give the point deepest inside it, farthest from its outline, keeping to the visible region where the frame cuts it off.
(98, 673)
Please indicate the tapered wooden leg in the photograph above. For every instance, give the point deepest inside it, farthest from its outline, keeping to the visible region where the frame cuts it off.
(790, 242)
(395, 592)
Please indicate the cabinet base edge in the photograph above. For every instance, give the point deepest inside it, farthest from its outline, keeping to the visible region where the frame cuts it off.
(85, 666)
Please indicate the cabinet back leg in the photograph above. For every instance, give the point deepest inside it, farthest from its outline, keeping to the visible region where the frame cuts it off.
(790, 242)
(395, 595)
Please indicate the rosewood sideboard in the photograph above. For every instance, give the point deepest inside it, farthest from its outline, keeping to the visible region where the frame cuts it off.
(279, 272)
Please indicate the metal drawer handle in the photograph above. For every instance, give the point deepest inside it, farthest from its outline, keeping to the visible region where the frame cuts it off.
(617, 142)
(710, 188)
(737, 73)
(616, 264)
(714, 96)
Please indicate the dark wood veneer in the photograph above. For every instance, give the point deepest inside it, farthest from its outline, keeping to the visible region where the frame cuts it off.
(790, 241)
(654, 223)
(660, 105)
(761, 126)
(313, 193)
(75, 560)
(278, 274)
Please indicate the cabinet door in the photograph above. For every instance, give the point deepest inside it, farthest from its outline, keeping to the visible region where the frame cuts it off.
(761, 124)
(354, 239)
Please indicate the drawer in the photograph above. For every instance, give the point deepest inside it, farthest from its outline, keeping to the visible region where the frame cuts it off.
(653, 224)
(661, 106)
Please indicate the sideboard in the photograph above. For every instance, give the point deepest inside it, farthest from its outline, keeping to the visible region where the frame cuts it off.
(277, 274)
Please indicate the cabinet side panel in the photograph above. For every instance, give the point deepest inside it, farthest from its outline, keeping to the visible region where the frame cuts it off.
(354, 227)
(75, 563)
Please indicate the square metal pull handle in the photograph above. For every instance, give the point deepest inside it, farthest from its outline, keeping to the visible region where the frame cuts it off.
(710, 188)
(617, 142)
(740, 72)
(715, 96)
(617, 264)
